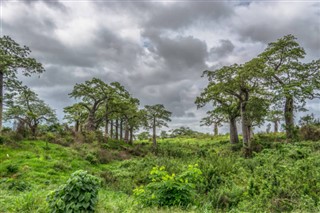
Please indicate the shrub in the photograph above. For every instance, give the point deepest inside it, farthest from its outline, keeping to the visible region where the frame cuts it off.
(79, 194)
(18, 186)
(12, 169)
(91, 158)
(310, 132)
(169, 190)
(50, 137)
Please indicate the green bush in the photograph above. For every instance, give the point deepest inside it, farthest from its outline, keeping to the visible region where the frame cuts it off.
(310, 132)
(50, 137)
(79, 194)
(12, 169)
(91, 158)
(169, 190)
(18, 186)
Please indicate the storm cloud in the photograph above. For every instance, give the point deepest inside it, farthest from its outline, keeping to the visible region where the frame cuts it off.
(157, 50)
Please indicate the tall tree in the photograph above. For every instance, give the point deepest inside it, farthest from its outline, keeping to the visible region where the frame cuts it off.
(289, 78)
(156, 116)
(224, 105)
(26, 107)
(14, 57)
(92, 93)
(243, 83)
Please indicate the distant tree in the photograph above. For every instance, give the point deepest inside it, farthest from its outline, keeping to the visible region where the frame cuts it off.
(144, 136)
(76, 113)
(213, 118)
(14, 58)
(290, 79)
(268, 128)
(164, 134)
(156, 116)
(308, 120)
(275, 116)
(26, 107)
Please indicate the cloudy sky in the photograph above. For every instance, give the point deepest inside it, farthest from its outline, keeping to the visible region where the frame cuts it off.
(156, 49)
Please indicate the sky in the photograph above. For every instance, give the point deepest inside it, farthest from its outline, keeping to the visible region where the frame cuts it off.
(156, 49)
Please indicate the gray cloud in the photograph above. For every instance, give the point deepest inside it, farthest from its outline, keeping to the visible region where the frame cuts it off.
(157, 50)
(226, 47)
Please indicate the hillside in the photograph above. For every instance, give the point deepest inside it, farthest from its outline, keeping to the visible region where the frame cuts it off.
(281, 177)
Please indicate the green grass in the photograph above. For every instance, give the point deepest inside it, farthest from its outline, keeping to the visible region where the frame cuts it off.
(281, 178)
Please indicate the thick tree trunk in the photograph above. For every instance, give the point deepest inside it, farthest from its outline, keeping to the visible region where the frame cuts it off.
(131, 136)
(106, 129)
(126, 132)
(234, 138)
(1, 99)
(276, 126)
(288, 117)
(215, 129)
(245, 127)
(90, 121)
(117, 129)
(121, 129)
(33, 129)
(154, 134)
(111, 129)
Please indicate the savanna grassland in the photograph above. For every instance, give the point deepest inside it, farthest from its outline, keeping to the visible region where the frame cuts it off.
(279, 177)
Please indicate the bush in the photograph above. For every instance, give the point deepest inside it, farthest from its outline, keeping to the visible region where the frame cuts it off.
(79, 194)
(310, 132)
(91, 158)
(50, 137)
(169, 190)
(12, 169)
(18, 186)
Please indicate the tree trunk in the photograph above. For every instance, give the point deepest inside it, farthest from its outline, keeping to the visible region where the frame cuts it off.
(126, 132)
(1, 99)
(111, 129)
(106, 128)
(245, 127)
(234, 138)
(131, 136)
(121, 129)
(276, 126)
(154, 136)
(33, 129)
(90, 122)
(215, 129)
(117, 129)
(76, 126)
(288, 116)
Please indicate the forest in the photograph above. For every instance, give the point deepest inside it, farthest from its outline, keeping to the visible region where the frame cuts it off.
(110, 154)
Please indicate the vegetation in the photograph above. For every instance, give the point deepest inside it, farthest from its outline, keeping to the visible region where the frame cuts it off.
(97, 165)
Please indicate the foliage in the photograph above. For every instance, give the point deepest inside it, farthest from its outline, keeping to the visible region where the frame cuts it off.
(310, 132)
(26, 107)
(144, 136)
(170, 190)
(14, 57)
(11, 169)
(78, 195)
(289, 78)
(156, 116)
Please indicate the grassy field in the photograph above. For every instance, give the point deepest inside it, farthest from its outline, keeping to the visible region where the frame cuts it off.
(280, 177)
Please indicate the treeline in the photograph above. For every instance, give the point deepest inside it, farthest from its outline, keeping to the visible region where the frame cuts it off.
(272, 85)
(99, 105)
